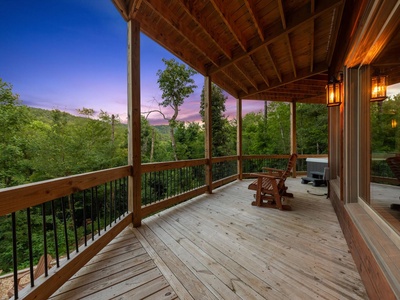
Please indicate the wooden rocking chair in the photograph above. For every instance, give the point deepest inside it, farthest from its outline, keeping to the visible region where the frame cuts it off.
(39, 271)
(270, 186)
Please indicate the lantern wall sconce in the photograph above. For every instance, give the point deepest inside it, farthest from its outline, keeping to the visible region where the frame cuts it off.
(378, 87)
(334, 92)
(394, 123)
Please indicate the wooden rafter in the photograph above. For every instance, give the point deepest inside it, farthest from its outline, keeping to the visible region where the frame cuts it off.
(273, 63)
(291, 55)
(163, 10)
(312, 40)
(264, 77)
(224, 14)
(248, 78)
(202, 23)
(237, 82)
(282, 13)
(256, 20)
(323, 8)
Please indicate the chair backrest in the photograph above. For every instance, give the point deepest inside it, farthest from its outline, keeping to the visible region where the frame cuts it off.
(41, 266)
(286, 173)
(394, 164)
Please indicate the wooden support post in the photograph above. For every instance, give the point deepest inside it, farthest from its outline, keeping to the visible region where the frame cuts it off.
(239, 138)
(293, 141)
(208, 132)
(134, 155)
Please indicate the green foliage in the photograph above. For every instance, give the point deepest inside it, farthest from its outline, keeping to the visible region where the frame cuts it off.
(223, 142)
(312, 129)
(190, 140)
(14, 118)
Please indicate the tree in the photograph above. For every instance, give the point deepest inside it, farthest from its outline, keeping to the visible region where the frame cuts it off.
(221, 141)
(176, 84)
(312, 128)
(14, 118)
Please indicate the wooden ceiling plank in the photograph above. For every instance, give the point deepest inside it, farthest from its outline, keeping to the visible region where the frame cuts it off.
(282, 13)
(291, 55)
(185, 55)
(248, 78)
(171, 18)
(253, 13)
(301, 74)
(227, 19)
(273, 63)
(202, 22)
(256, 66)
(323, 8)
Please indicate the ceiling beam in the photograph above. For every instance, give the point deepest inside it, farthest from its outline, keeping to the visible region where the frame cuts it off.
(133, 8)
(225, 15)
(299, 20)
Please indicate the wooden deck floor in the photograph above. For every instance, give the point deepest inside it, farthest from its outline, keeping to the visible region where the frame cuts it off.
(220, 247)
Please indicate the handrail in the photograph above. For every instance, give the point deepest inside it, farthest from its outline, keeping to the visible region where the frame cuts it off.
(16, 198)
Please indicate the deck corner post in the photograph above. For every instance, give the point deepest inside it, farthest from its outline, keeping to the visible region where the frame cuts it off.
(134, 117)
(239, 143)
(208, 132)
(293, 132)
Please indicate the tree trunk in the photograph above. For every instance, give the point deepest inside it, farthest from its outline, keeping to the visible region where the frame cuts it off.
(153, 138)
(171, 131)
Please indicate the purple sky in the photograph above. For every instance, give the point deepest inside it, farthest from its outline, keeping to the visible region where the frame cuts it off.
(69, 54)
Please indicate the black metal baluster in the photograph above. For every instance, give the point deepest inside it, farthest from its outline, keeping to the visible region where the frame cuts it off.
(115, 202)
(29, 225)
(84, 217)
(44, 239)
(65, 227)
(98, 211)
(105, 207)
(15, 262)
(74, 222)
(91, 213)
(111, 203)
(53, 212)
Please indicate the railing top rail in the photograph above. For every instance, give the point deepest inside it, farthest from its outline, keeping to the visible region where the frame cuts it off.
(20, 197)
(279, 156)
(162, 166)
(224, 158)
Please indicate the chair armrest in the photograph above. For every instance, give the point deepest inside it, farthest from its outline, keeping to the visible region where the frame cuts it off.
(265, 175)
(273, 170)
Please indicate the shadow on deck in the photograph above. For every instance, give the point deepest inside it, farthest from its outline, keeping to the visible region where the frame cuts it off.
(220, 247)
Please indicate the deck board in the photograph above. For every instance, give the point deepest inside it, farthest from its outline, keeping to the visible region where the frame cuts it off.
(218, 246)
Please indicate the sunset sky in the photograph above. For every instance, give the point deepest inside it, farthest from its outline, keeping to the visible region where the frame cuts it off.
(70, 54)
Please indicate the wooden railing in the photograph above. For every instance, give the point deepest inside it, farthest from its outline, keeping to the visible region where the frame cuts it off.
(70, 218)
(163, 185)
